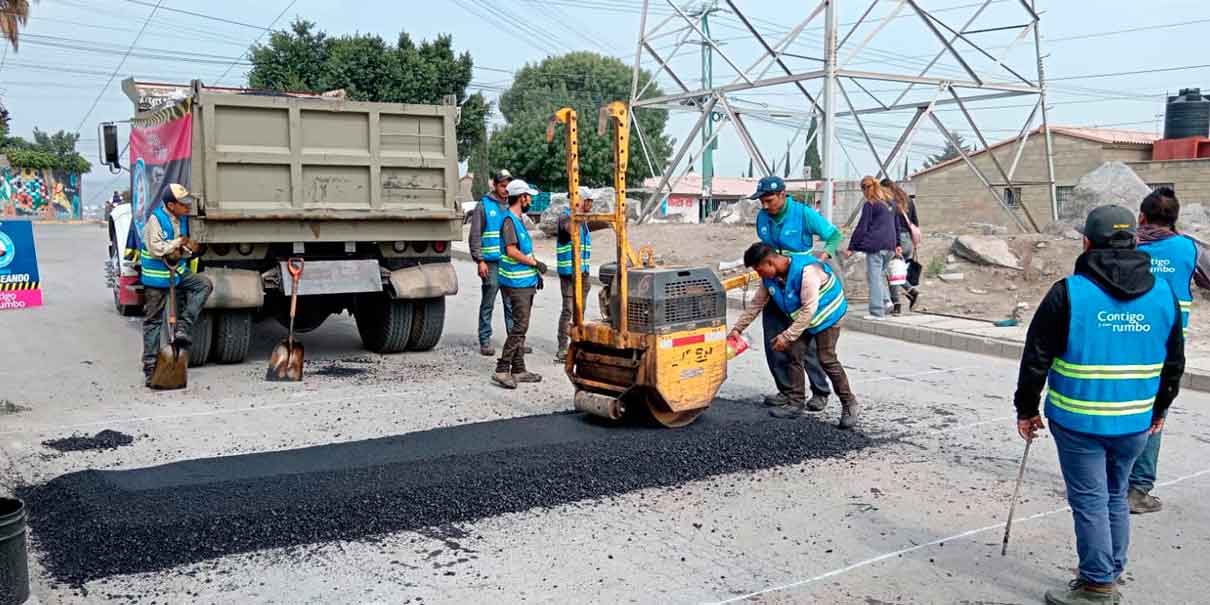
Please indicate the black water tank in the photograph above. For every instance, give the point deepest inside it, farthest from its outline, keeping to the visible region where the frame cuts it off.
(1187, 115)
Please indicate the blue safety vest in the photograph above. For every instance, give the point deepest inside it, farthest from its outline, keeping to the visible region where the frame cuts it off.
(564, 252)
(494, 214)
(512, 273)
(1106, 381)
(155, 272)
(790, 238)
(1173, 260)
(832, 302)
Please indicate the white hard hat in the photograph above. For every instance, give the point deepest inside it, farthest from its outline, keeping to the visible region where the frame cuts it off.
(519, 187)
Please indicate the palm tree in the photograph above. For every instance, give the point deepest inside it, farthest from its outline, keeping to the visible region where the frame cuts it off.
(13, 16)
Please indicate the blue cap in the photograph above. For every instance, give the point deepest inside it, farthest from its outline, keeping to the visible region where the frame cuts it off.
(767, 185)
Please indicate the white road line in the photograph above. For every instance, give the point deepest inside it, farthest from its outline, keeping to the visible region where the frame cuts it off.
(915, 375)
(891, 555)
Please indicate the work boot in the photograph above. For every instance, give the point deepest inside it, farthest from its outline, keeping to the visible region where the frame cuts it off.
(505, 380)
(897, 309)
(776, 400)
(527, 349)
(913, 295)
(1082, 592)
(817, 403)
(561, 355)
(848, 414)
(790, 411)
(524, 376)
(182, 340)
(1142, 502)
(486, 349)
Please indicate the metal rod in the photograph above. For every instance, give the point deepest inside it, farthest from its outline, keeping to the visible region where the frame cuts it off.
(827, 159)
(978, 173)
(671, 186)
(707, 109)
(1032, 10)
(980, 49)
(979, 135)
(930, 65)
(787, 39)
(664, 64)
(809, 75)
(1022, 137)
(867, 92)
(873, 150)
(907, 132)
(745, 137)
(866, 75)
(910, 132)
(870, 36)
(869, 9)
(634, 124)
(995, 29)
(1008, 525)
(769, 50)
(638, 54)
(708, 40)
(915, 105)
(933, 28)
(1050, 150)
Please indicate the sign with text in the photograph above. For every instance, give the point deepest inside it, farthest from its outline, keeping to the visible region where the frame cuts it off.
(19, 285)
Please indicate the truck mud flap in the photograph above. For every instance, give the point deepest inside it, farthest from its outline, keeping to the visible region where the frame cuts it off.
(431, 280)
(234, 289)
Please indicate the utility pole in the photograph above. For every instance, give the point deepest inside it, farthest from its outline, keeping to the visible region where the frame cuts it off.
(827, 163)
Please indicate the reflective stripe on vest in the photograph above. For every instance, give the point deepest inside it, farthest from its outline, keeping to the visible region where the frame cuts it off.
(153, 271)
(1174, 259)
(1106, 381)
(564, 252)
(832, 303)
(512, 273)
(494, 214)
(790, 237)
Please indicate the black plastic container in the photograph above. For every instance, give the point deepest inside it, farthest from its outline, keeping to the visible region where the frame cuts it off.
(14, 564)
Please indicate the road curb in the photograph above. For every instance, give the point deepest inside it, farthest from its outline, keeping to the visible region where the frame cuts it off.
(948, 339)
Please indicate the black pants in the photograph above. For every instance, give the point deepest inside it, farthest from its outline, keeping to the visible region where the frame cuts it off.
(512, 358)
(191, 294)
(567, 287)
(824, 344)
(786, 371)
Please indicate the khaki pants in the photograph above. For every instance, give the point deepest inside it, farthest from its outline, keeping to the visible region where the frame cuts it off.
(825, 346)
(512, 358)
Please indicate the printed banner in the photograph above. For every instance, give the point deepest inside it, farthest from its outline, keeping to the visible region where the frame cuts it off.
(19, 285)
(40, 193)
(161, 147)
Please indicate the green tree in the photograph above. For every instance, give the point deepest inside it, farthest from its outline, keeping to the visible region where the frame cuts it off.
(47, 151)
(811, 159)
(950, 152)
(304, 59)
(480, 168)
(584, 81)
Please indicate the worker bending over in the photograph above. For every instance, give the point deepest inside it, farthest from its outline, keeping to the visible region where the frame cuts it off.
(520, 278)
(484, 242)
(790, 228)
(166, 236)
(804, 289)
(1108, 342)
(567, 280)
(1176, 260)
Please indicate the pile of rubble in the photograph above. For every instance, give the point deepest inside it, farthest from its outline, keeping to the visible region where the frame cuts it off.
(602, 202)
(741, 212)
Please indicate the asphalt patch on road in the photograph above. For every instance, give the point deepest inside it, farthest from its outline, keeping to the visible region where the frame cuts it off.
(93, 524)
(104, 440)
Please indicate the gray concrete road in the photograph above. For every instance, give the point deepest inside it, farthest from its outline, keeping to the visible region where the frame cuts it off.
(917, 519)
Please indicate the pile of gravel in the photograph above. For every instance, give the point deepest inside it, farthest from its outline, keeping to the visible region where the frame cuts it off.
(105, 440)
(94, 524)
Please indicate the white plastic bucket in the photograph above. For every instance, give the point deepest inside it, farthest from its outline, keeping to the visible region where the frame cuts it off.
(897, 271)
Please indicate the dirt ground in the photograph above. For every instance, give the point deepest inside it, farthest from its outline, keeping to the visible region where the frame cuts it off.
(990, 293)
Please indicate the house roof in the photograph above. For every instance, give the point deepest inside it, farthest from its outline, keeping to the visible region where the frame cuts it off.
(1104, 136)
(691, 185)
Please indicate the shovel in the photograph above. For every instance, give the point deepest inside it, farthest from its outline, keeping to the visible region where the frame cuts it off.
(171, 360)
(286, 361)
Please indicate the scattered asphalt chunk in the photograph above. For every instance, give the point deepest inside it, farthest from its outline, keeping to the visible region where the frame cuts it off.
(93, 524)
(337, 370)
(105, 440)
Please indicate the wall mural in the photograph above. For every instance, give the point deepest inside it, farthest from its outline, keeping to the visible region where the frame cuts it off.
(47, 194)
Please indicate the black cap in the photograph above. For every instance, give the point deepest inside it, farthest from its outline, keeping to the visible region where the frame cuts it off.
(1110, 227)
(501, 176)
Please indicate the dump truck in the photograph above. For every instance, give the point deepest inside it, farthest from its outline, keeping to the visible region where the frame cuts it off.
(364, 192)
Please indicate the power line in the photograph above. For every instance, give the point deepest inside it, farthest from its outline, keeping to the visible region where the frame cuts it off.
(256, 41)
(100, 94)
(199, 15)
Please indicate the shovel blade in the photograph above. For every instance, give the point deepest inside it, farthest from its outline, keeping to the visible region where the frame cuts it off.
(171, 364)
(285, 362)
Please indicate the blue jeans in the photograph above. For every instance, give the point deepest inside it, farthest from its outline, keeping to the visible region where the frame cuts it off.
(1095, 469)
(491, 288)
(1142, 476)
(875, 271)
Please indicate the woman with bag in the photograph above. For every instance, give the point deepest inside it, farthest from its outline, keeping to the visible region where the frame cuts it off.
(877, 235)
(909, 241)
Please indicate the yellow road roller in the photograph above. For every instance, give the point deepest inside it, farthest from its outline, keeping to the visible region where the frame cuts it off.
(660, 352)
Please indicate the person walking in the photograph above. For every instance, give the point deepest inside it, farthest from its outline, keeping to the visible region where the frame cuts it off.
(790, 228)
(1108, 342)
(520, 275)
(1177, 260)
(877, 235)
(908, 227)
(163, 259)
(484, 242)
(805, 289)
(565, 256)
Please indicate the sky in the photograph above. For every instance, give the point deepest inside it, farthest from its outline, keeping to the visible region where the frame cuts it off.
(1108, 67)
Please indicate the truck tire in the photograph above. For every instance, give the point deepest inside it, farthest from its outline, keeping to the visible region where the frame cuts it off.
(201, 334)
(232, 335)
(385, 325)
(428, 320)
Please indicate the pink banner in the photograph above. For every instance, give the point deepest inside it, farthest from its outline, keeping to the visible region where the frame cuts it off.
(20, 299)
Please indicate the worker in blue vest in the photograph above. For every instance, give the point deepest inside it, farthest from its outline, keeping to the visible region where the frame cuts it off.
(1177, 260)
(520, 278)
(790, 228)
(484, 243)
(166, 237)
(565, 255)
(1109, 344)
(806, 290)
